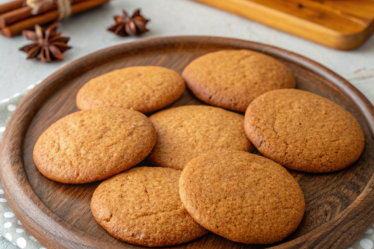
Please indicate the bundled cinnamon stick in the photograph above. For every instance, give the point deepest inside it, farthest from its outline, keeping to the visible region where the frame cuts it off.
(15, 21)
(25, 12)
(11, 6)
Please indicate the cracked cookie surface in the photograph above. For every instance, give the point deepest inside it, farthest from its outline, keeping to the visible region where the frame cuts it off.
(234, 78)
(143, 88)
(142, 206)
(303, 131)
(186, 132)
(241, 196)
(93, 145)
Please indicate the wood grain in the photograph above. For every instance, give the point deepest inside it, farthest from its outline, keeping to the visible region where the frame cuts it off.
(338, 205)
(341, 25)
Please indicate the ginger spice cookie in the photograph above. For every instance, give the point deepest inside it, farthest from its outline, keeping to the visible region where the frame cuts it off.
(241, 196)
(93, 145)
(142, 206)
(144, 89)
(303, 131)
(234, 78)
(186, 132)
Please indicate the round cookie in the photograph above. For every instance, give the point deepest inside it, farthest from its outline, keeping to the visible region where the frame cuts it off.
(234, 78)
(144, 89)
(241, 196)
(142, 206)
(186, 132)
(93, 145)
(304, 131)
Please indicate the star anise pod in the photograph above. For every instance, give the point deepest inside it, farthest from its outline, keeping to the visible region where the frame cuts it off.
(126, 25)
(47, 44)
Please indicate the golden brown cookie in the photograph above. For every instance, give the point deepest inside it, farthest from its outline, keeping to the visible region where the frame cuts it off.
(303, 131)
(186, 132)
(94, 144)
(242, 197)
(234, 78)
(142, 207)
(144, 89)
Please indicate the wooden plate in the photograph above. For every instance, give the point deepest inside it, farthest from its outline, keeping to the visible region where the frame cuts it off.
(339, 206)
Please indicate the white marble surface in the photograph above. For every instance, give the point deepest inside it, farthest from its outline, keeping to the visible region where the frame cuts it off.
(168, 18)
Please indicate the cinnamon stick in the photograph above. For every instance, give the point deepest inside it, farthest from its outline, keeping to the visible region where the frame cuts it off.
(47, 17)
(22, 13)
(16, 4)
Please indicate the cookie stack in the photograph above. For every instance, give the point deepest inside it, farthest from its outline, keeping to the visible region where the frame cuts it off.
(204, 176)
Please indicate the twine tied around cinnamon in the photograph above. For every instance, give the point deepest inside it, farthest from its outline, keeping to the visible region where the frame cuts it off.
(64, 6)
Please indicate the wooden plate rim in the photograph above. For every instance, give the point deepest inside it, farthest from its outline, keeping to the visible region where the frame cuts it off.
(343, 228)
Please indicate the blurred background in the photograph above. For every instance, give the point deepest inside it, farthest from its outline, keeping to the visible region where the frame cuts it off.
(88, 33)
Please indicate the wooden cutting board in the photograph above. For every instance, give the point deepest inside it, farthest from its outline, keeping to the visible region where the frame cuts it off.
(339, 24)
(339, 206)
